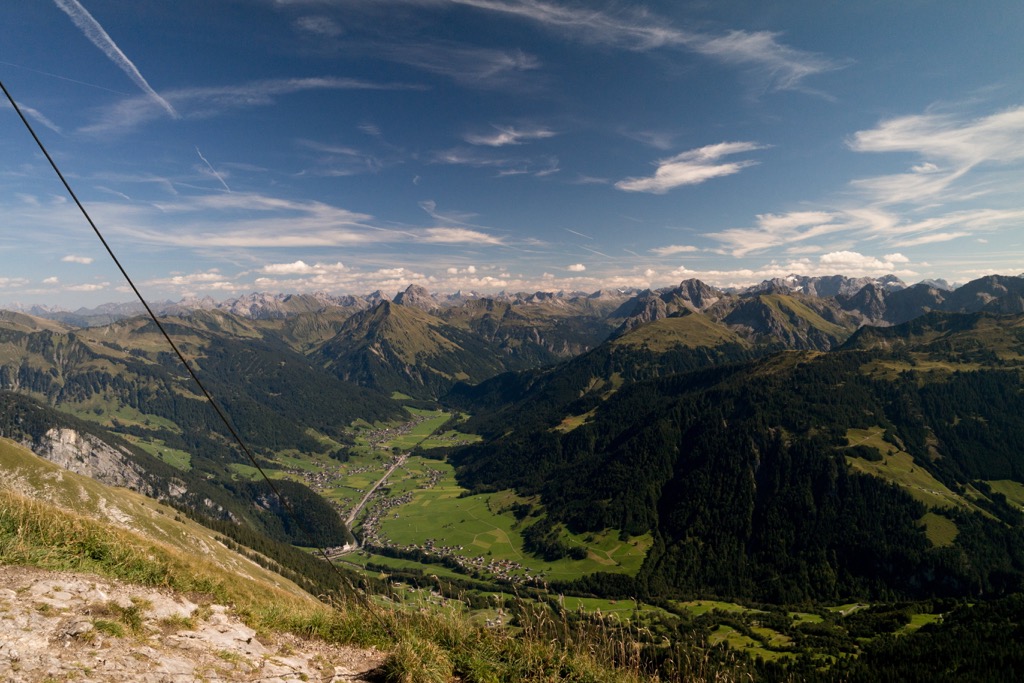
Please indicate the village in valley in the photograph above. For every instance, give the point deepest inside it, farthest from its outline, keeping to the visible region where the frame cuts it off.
(402, 506)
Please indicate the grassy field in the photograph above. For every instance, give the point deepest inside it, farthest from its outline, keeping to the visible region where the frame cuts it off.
(157, 448)
(573, 421)
(941, 531)
(483, 526)
(439, 642)
(923, 365)
(919, 620)
(699, 607)
(1013, 490)
(899, 467)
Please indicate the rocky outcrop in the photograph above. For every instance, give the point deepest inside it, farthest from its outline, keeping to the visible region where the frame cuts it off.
(89, 456)
(417, 297)
(63, 626)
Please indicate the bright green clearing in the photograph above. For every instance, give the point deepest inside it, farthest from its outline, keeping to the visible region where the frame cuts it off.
(899, 467)
(919, 620)
(699, 607)
(847, 609)
(739, 641)
(412, 434)
(361, 559)
(573, 421)
(941, 531)
(174, 457)
(484, 527)
(1013, 490)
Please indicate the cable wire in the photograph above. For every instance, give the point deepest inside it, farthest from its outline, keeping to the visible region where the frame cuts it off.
(285, 503)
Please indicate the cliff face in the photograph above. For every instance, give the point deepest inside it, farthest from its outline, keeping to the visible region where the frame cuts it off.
(86, 455)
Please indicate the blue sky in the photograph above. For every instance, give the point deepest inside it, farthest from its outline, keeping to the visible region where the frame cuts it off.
(231, 146)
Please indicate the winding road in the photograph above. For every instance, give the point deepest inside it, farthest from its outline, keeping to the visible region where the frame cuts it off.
(358, 508)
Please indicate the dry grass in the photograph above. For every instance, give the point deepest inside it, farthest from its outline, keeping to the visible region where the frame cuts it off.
(440, 644)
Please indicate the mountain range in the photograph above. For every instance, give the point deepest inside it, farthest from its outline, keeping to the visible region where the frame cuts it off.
(807, 439)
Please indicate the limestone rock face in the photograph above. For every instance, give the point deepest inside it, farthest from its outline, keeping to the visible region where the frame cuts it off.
(86, 455)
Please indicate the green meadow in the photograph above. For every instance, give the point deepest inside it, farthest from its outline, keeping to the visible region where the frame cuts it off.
(484, 526)
(899, 467)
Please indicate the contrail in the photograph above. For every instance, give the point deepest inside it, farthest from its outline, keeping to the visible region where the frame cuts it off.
(578, 233)
(94, 32)
(595, 251)
(213, 170)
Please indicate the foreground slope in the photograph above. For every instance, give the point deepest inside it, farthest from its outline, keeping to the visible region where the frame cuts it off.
(120, 594)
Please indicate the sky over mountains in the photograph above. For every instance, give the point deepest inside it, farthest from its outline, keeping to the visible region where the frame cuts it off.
(348, 146)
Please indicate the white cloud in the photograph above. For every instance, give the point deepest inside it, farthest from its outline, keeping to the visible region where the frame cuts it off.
(849, 263)
(673, 249)
(846, 262)
(577, 268)
(952, 150)
(302, 268)
(995, 138)
(692, 168)
(319, 26)
(506, 166)
(51, 281)
(777, 66)
(930, 239)
(459, 236)
(508, 135)
(477, 67)
(208, 102)
(71, 258)
(94, 287)
(207, 278)
(40, 117)
(773, 230)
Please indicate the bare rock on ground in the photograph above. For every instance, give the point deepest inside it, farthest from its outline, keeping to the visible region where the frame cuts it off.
(57, 626)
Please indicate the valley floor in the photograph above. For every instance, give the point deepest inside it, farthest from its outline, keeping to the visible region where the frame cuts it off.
(60, 626)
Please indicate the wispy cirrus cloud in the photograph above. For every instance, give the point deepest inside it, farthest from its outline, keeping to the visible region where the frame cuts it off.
(951, 148)
(861, 224)
(99, 37)
(72, 258)
(674, 249)
(778, 66)
(342, 160)
(773, 230)
(692, 168)
(508, 135)
(40, 117)
(775, 65)
(212, 101)
(319, 25)
(504, 166)
(994, 138)
(479, 67)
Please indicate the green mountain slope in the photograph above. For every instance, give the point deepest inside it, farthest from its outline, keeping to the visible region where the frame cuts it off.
(402, 348)
(747, 473)
(28, 475)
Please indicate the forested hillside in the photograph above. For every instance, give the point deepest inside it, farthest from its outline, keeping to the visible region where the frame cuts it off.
(861, 472)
